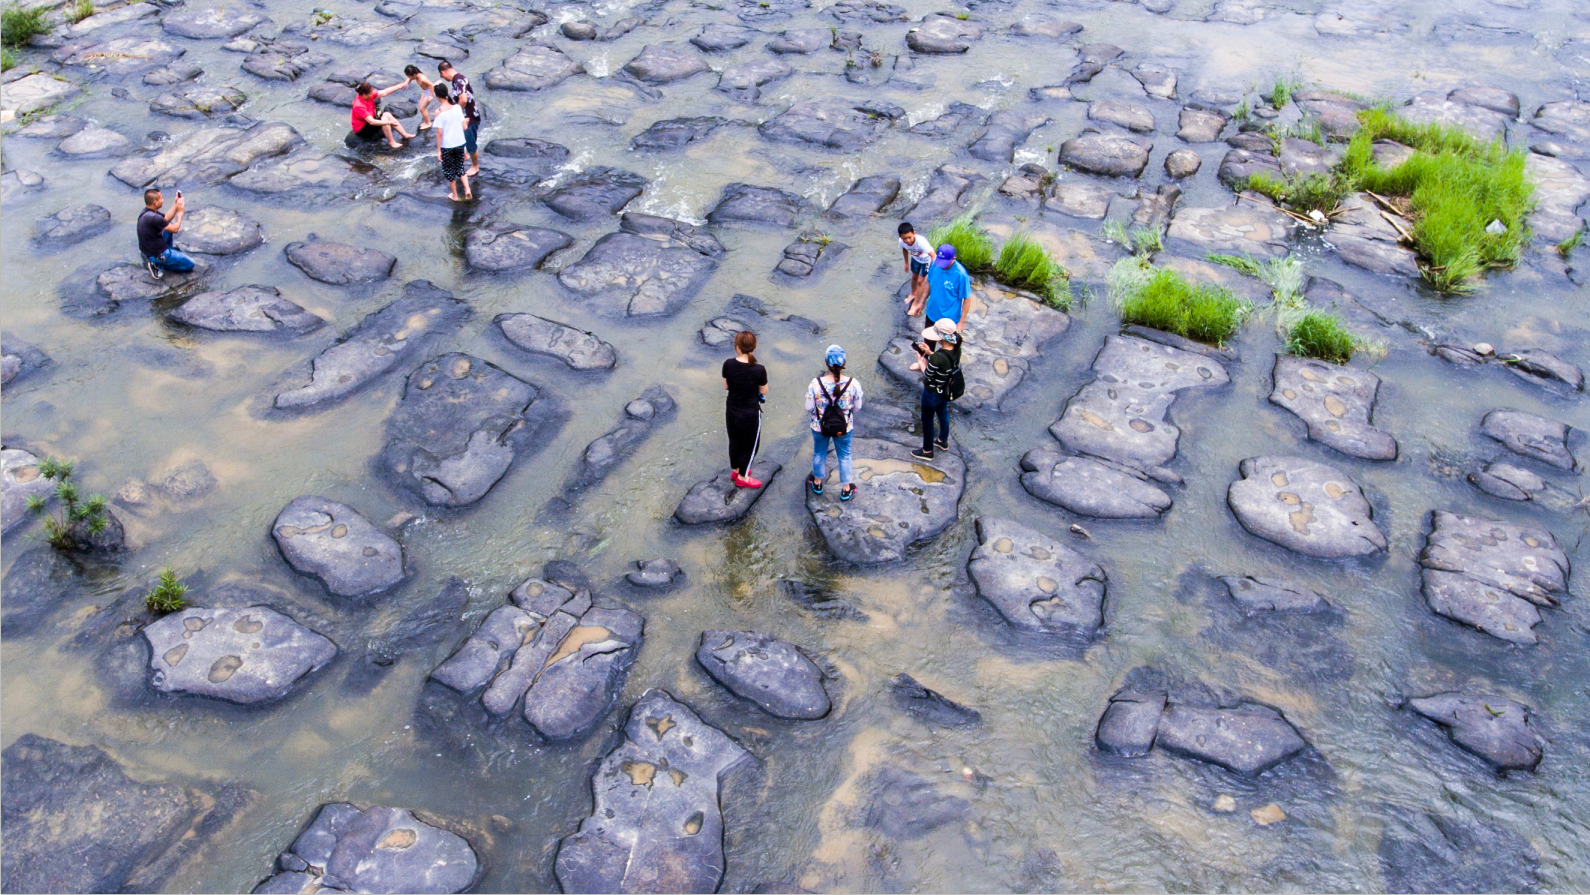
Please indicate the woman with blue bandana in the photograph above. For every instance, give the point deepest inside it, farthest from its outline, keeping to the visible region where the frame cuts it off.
(832, 400)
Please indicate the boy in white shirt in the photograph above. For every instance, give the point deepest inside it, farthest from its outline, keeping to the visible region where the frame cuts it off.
(450, 141)
(918, 254)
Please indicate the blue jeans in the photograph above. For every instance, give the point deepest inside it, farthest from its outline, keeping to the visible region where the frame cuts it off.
(471, 133)
(820, 456)
(934, 405)
(171, 259)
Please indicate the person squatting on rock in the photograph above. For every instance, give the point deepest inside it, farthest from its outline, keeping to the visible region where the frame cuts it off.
(450, 143)
(942, 384)
(156, 232)
(370, 123)
(427, 91)
(746, 382)
(918, 255)
(832, 400)
(464, 95)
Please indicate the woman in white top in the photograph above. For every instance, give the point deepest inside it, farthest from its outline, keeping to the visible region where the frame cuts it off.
(450, 143)
(832, 400)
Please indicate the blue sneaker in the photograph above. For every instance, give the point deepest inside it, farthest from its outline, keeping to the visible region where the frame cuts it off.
(814, 484)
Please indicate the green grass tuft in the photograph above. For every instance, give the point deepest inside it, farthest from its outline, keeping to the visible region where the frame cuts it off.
(1024, 264)
(1281, 93)
(79, 11)
(1320, 335)
(974, 248)
(1566, 247)
(1161, 299)
(8, 59)
(167, 596)
(19, 25)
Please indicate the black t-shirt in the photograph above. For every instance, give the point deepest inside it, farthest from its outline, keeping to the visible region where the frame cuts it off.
(745, 384)
(151, 224)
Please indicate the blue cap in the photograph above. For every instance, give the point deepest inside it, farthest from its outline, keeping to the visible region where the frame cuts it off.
(835, 357)
(946, 255)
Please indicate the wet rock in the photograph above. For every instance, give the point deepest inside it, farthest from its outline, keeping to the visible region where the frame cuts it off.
(96, 142)
(943, 35)
(1038, 584)
(1133, 118)
(533, 67)
(1106, 154)
(1528, 435)
(36, 92)
(900, 501)
(209, 22)
(656, 824)
(1006, 130)
(1453, 110)
(75, 822)
(1533, 364)
(121, 15)
(955, 118)
(207, 155)
(1560, 191)
(1304, 506)
(664, 64)
(282, 61)
(252, 309)
(811, 252)
(17, 186)
(1130, 723)
(652, 410)
(1182, 163)
(1233, 229)
(530, 160)
(199, 101)
(659, 572)
(1495, 729)
(579, 349)
(19, 360)
(36, 586)
(338, 263)
(1363, 238)
(306, 176)
(652, 264)
(947, 192)
(744, 80)
(744, 203)
(1043, 26)
(1569, 119)
(20, 480)
(503, 246)
(1256, 595)
(832, 122)
(1158, 81)
(1431, 853)
(819, 600)
(209, 230)
(1508, 482)
(1492, 575)
(929, 706)
(774, 674)
(1079, 200)
(1248, 739)
(867, 196)
(1154, 209)
(716, 499)
(675, 133)
(902, 804)
(118, 56)
(376, 849)
(595, 192)
(246, 656)
(51, 127)
(333, 543)
(1336, 403)
(87, 294)
(1198, 125)
(800, 41)
(71, 225)
(718, 37)
(424, 623)
(1089, 487)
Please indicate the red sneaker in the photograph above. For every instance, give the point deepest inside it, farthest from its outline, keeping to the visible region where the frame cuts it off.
(745, 481)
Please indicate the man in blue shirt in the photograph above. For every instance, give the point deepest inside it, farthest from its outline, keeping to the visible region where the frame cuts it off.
(949, 289)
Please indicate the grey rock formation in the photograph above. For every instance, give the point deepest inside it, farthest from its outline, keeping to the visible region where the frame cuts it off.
(652, 265)
(1248, 739)
(1198, 125)
(929, 706)
(504, 246)
(247, 656)
(1126, 115)
(1158, 81)
(533, 67)
(652, 410)
(1182, 163)
(1528, 435)
(1130, 722)
(656, 572)
(943, 35)
(1465, 109)
(772, 673)
(1304, 506)
(307, 176)
(71, 225)
(333, 543)
(800, 41)
(1492, 575)
(1494, 728)
(900, 501)
(657, 825)
(92, 292)
(716, 499)
(1509, 482)
(1435, 853)
(96, 142)
(208, 155)
(1543, 368)
(118, 56)
(664, 64)
(745, 203)
(948, 190)
(675, 133)
(19, 360)
(524, 161)
(903, 805)
(338, 263)
(718, 37)
(1233, 229)
(1336, 402)
(1006, 131)
(20, 480)
(1090, 487)
(1365, 239)
(579, 349)
(744, 81)
(595, 193)
(1079, 200)
(1108, 155)
(209, 22)
(250, 309)
(375, 849)
(830, 122)
(1037, 583)
(1257, 595)
(209, 230)
(199, 101)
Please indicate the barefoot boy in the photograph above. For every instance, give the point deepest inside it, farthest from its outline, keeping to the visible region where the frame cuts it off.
(918, 254)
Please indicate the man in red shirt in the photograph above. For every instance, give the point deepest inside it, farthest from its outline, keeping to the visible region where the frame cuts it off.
(370, 124)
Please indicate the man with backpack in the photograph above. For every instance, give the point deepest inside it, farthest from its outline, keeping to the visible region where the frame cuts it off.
(832, 400)
(941, 384)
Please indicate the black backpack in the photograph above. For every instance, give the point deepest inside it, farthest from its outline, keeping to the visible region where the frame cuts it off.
(955, 382)
(832, 423)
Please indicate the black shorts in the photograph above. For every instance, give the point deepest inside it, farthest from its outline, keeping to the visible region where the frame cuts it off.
(370, 132)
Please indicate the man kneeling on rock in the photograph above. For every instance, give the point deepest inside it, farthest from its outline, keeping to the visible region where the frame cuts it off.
(156, 230)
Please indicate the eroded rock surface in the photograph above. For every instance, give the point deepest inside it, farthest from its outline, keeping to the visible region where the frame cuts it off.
(20, 480)
(1108, 155)
(207, 155)
(1257, 595)
(1304, 506)
(1037, 583)
(1337, 404)
(595, 192)
(1529, 435)
(652, 410)
(533, 67)
(900, 501)
(1494, 728)
(19, 359)
(1492, 575)
(339, 264)
(830, 122)
(579, 349)
(1363, 238)
(248, 656)
(772, 673)
(652, 265)
(71, 225)
(1246, 738)
(504, 246)
(376, 849)
(335, 544)
(717, 499)
(252, 309)
(1244, 229)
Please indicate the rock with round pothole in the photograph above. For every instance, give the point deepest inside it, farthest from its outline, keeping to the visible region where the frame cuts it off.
(800, 41)
(1528, 435)
(774, 674)
(19, 481)
(579, 349)
(1304, 506)
(247, 656)
(718, 499)
(209, 22)
(1132, 117)
(459, 426)
(504, 246)
(1492, 575)
(1337, 404)
(333, 543)
(929, 706)
(652, 410)
(657, 823)
(209, 230)
(338, 263)
(533, 67)
(1182, 163)
(1233, 229)
(831, 122)
(19, 359)
(1108, 155)
(943, 35)
(1199, 125)
(1364, 238)
(1257, 594)
(376, 849)
(744, 80)
(96, 142)
(717, 37)
(1130, 723)
(35, 92)
(595, 193)
(1494, 728)
(657, 572)
(1247, 738)
(1089, 487)
(199, 101)
(745, 203)
(380, 342)
(207, 155)
(900, 501)
(248, 309)
(652, 265)
(676, 133)
(664, 64)
(1006, 130)
(71, 225)
(1037, 583)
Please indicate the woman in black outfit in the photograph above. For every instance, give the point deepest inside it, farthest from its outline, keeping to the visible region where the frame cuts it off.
(746, 382)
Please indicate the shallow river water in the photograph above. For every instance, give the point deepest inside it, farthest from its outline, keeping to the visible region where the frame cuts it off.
(131, 395)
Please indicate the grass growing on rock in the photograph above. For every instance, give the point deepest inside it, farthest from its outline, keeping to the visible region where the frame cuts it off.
(8, 59)
(79, 11)
(1320, 335)
(19, 25)
(1161, 299)
(1024, 264)
(170, 595)
(974, 248)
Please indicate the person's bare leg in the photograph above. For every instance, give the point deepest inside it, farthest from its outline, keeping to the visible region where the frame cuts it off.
(468, 193)
(474, 164)
(390, 140)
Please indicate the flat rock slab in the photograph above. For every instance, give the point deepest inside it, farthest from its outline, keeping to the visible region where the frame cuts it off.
(866, 196)
(209, 22)
(1257, 595)
(333, 543)
(675, 133)
(199, 101)
(19, 360)
(19, 481)
(306, 176)
(900, 501)
(1005, 132)
(1108, 155)
(719, 37)
(96, 142)
(943, 35)
(595, 193)
(1492, 575)
(118, 56)
(1247, 739)
(1528, 435)
(580, 349)
(1452, 110)
(650, 411)
(744, 81)
(207, 155)
(458, 428)
(717, 499)
(120, 284)
(33, 93)
(534, 67)
(1089, 487)
(746, 203)
(831, 122)
(376, 849)
(71, 225)
(929, 706)
(1197, 125)
(1037, 583)
(664, 64)
(1304, 506)
(247, 309)
(772, 673)
(1336, 402)
(1560, 190)
(656, 572)
(653, 265)
(247, 656)
(657, 825)
(220, 231)
(1132, 117)
(1509, 482)
(1494, 728)
(524, 161)
(1363, 238)
(338, 263)
(1233, 229)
